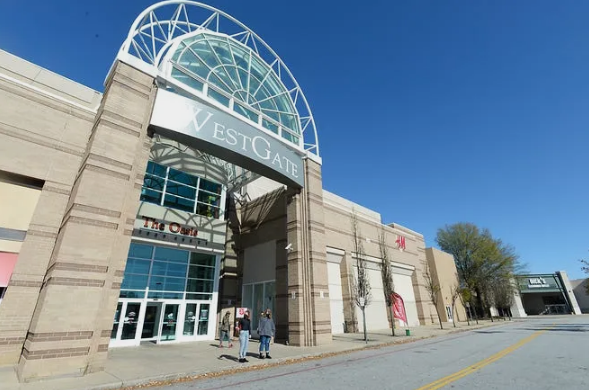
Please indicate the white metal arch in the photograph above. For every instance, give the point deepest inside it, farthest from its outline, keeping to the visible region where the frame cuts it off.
(155, 30)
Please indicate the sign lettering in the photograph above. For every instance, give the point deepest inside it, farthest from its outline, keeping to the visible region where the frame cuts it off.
(401, 244)
(172, 227)
(189, 119)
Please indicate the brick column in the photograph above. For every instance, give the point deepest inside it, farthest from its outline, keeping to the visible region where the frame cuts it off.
(309, 315)
(70, 329)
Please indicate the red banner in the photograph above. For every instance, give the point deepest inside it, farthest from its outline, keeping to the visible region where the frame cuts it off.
(399, 308)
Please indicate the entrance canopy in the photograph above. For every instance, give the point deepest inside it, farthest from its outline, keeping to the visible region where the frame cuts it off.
(223, 90)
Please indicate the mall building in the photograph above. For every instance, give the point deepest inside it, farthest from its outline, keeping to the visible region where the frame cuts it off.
(544, 294)
(190, 186)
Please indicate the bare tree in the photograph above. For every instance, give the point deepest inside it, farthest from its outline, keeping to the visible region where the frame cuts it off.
(433, 289)
(456, 293)
(386, 271)
(361, 282)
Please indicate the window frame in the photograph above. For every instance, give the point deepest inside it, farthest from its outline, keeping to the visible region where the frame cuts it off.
(218, 211)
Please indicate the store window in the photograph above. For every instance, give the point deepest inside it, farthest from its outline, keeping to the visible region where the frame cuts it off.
(175, 189)
(169, 273)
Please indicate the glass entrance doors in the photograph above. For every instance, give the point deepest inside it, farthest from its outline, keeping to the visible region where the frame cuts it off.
(160, 322)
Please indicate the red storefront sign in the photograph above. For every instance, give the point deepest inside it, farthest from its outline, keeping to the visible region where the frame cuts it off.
(172, 227)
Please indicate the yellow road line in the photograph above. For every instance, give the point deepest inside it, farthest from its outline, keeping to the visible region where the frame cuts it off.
(477, 366)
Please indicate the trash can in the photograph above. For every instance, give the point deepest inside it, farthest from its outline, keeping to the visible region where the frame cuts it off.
(407, 332)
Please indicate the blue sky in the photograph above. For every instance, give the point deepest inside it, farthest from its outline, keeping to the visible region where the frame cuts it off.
(430, 112)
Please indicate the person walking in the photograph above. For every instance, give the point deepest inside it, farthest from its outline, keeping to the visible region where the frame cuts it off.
(226, 331)
(244, 336)
(266, 330)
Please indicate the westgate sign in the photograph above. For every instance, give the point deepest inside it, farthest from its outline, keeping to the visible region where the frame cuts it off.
(218, 133)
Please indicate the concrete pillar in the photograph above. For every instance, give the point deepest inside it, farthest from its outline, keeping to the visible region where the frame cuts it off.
(71, 325)
(309, 314)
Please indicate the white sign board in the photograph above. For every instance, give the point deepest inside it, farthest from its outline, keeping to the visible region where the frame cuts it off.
(240, 312)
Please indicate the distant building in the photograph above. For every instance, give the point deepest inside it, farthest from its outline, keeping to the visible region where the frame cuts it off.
(541, 294)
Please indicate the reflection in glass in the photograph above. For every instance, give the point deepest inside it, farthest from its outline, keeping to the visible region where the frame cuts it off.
(189, 319)
(115, 325)
(151, 322)
(170, 322)
(130, 321)
(203, 319)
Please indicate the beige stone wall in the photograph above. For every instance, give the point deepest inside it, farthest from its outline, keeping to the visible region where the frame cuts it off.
(57, 313)
(338, 227)
(444, 274)
(43, 137)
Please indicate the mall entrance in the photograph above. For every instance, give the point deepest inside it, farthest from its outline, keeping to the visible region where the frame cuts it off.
(159, 322)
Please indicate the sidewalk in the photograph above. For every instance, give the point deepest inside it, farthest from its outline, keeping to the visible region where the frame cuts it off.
(161, 364)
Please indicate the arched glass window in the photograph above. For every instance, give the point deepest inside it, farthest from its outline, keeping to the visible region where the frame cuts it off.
(236, 76)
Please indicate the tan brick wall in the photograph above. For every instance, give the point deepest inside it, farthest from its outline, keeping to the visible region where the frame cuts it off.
(81, 286)
(44, 139)
(444, 273)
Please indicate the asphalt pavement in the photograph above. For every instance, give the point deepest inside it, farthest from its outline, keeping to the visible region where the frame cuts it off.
(542, 353)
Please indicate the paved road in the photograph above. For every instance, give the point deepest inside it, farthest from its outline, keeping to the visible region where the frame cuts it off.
(544, 353)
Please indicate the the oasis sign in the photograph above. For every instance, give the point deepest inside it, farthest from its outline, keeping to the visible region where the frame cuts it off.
(171, 227)
(213, 131)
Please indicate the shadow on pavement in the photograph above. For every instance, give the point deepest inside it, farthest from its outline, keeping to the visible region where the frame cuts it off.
(561, 328)
(488, 331)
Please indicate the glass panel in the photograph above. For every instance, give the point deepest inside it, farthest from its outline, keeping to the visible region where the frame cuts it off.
(141, 251)
(189, 319)
(132, 294)
(151, 196)
(207, 211)
(202, 259)
(164, 268)
(170, 322)
(199, 272)
(248, 295)
(153, 182)
(160, 283)
(152, 320)
(269, 294)
(179, 203)
(258, 304)
(241, 110)
(219, 97)
(196, 285)
(207, 197)
(182, 177)
(137, 266)
(180, 190)
(270, 126)
(201, 297)
(156, 169)
(165, 295)
(115, 325)
(210, 186)
(186, 79)
(134, 282)
(203, 319)
(130, 321)
(172, 255)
